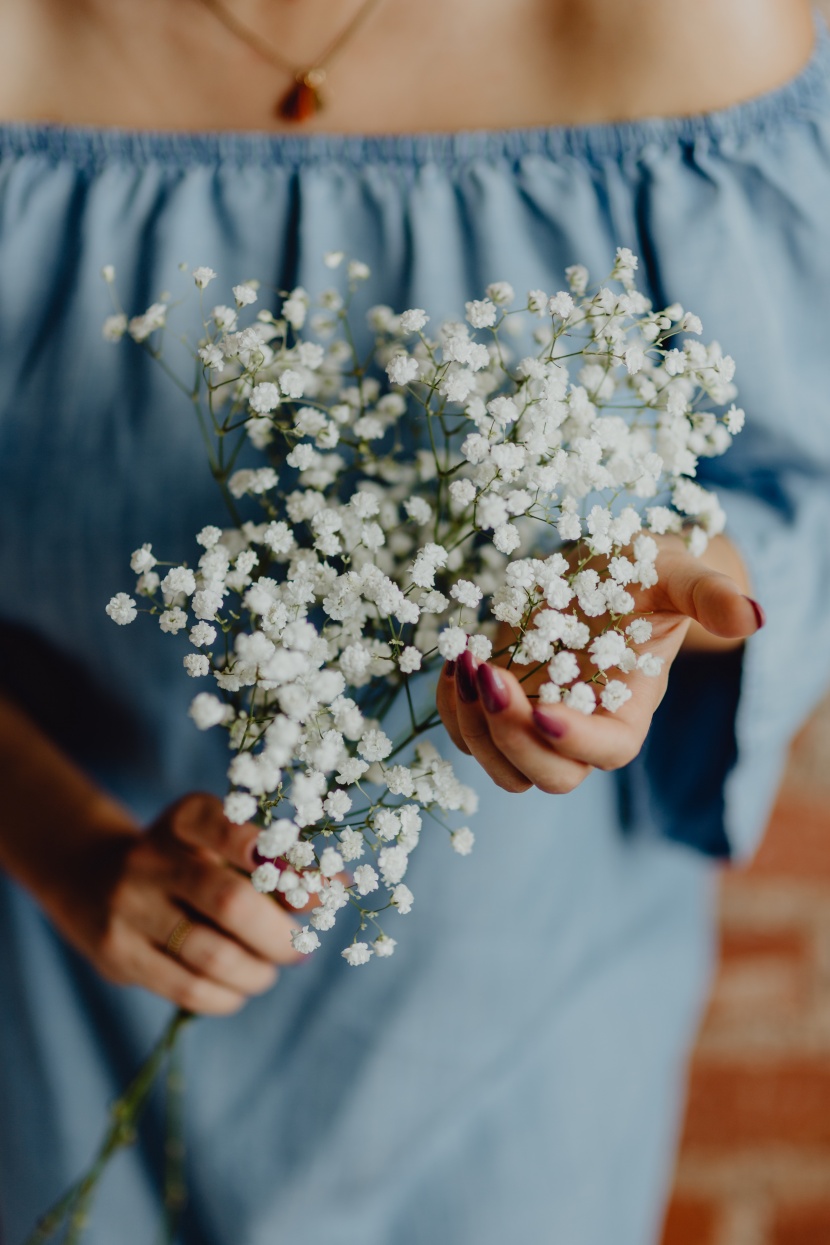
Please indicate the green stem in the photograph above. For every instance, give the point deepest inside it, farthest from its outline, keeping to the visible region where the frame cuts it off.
(73, 1207)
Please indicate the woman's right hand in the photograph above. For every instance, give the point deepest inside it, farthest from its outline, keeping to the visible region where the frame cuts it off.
(120, 898)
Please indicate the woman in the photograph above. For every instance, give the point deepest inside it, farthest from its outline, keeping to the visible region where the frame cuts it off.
(515, 1071)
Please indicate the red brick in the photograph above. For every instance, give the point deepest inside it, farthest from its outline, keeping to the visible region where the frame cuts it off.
(744, 944)
(797, 842)
(736, 1105)
(690, 1222)
(802, 1225)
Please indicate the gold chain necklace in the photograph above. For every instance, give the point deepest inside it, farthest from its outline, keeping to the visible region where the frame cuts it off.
(302, 99)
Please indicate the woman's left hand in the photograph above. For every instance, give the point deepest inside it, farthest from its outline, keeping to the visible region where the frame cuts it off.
(524, 743)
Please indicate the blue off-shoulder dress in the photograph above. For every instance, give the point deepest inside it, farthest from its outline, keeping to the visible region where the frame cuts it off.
(514, 1072)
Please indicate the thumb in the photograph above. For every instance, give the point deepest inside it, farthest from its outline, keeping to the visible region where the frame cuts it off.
(711, 599)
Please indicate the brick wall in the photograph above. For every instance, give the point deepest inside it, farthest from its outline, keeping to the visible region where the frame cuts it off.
(754, 1167)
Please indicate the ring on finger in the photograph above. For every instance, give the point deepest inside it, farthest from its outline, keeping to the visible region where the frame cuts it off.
(177, 937)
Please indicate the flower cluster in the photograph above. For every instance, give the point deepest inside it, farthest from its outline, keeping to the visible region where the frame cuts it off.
(438, 495)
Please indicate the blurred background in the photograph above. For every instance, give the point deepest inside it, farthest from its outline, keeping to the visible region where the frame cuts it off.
(754, 1166)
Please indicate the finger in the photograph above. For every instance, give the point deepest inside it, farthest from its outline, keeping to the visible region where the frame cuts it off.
(710, 598)
(232, 904)
(199, 821)
(601, 740)
(509, 718)
(473, 724)
(445, 703)
(204, 949)
(224, 961)
(142, 964)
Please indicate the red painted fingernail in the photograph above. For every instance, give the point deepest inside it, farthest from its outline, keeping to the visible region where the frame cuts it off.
(548, 726)
(465, 677)
(449, 669)
(760, 616)
(493, 689)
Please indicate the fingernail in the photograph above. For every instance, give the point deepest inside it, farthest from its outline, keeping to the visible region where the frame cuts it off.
(465, 678)
(449, 669)
(549, 726)
(493, 689)
(760, 616)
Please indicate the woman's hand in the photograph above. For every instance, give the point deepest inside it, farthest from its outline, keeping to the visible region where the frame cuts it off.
(124, 895)
(521, 742)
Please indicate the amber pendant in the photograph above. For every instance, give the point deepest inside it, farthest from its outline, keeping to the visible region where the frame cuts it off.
(302, 100)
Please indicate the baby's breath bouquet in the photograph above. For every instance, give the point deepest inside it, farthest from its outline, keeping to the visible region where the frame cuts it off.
(433, 497)
(387, 511)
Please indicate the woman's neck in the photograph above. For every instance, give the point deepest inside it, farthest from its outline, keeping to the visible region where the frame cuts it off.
(436, 65)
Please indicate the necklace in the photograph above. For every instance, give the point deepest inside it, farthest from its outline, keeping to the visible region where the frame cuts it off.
(302, 99)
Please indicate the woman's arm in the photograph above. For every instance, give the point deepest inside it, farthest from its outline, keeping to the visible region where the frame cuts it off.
(117, 893)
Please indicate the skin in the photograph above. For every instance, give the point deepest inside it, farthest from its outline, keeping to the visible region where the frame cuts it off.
(115, 890)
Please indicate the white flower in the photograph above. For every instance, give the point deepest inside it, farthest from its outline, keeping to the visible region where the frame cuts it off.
(650, 664)
(466, 593)
(333, 259)
(506, 538)
(403, 899)
(639, 630)
(578, 278)
(196, 665)
(392, 862)
(462, 840)
(734, 419)
(614, 695)
(375, 746)
(564, 668)
(358, 271)
(413, 321)
(581, 697)
(331, 862)
(207, 710)
(141, 327)
(501, 292)
(409, 660)
(265, 878)
(384, 946)
(245, 294)
(202, 634)
(206, 603)
(249, 481)
(401, 369)
(366, 879)
(481, 313)
(122, 609)
(291, 383)
(240, 807)
(352, 844)
(178, 580)
(304, 940)
(337, 804)
(562, 305)
(173, 620)
(480, 647)
(276, 839)
(114, 327)
(209, 536)
(142, 560)
(265, 397)
(357, 953)
(452, 642)
(203, 276)
(607, 649)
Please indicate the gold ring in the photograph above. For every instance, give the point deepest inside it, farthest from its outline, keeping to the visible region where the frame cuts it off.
(177, 938)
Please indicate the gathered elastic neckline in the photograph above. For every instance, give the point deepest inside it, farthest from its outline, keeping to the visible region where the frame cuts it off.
(93, 146)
